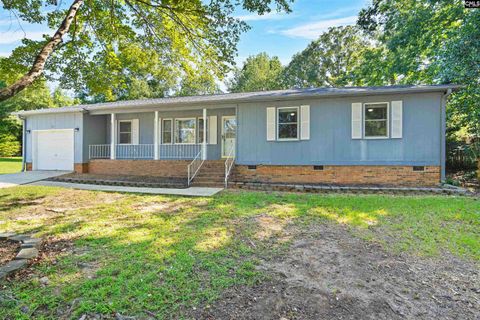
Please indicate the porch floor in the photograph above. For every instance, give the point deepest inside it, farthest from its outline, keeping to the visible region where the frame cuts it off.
(191, 192)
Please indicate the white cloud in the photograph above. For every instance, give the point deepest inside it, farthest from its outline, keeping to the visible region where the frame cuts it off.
(5, 54)
(267, 16)
(14, 36)
(314, 29)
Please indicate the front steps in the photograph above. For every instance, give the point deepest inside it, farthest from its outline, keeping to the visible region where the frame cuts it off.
(211, 174)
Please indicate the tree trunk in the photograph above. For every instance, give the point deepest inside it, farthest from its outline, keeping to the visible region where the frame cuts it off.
(40, 60)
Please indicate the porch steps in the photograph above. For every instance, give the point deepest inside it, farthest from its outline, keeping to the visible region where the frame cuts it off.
(211, 174)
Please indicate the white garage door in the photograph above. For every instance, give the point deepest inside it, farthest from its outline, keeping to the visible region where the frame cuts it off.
(53, 150)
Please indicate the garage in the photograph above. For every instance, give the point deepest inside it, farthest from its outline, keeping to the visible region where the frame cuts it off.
(53, 149)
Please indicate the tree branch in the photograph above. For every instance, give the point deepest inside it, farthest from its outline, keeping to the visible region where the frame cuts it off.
(40, 60)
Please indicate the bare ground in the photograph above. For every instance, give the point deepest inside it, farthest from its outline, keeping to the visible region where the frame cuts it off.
(330, 274)
(8, 251)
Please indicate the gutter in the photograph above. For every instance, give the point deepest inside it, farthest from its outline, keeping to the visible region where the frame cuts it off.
(443, 133)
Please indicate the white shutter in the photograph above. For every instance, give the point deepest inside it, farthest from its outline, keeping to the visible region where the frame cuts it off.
(305, 122)
(212, 129)
(357, 120)
(135, 131)
(397, 119)
(271, 124)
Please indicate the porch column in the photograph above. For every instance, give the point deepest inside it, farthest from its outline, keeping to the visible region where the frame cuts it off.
(204, 144)
(113, 136)
(155, 137)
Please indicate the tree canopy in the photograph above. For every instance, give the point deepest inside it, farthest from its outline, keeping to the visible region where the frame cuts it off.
(109, 50)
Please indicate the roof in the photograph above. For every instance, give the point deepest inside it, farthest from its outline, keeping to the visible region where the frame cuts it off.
(274, 95)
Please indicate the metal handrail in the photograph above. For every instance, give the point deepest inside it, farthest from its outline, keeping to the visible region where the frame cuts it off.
(229, 165)
(198, 159)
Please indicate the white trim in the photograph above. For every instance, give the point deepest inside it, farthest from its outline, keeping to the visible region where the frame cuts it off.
(155, 136)
(397, 120)
(271, 128)
(222, 133)
(34, 140)
(194, 130)
(131, 131)
(277, 124)
(305, 122)
(387, 120)
(171, 131)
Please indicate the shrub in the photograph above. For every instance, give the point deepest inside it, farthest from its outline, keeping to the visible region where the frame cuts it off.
(9, 146)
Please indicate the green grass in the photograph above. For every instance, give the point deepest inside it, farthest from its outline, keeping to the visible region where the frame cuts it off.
(10, 165)
(138, 253)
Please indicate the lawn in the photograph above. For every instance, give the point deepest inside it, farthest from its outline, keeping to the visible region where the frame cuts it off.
(10, 165)
(145, 255)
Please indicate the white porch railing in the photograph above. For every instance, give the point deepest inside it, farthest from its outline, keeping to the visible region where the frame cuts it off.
(178, 151)
(229, 161)
(146, 151)
(134, 151)
(99, 151)
(194, 166)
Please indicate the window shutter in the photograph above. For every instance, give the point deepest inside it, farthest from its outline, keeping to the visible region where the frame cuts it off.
(135, 131)
(356, 120)
(305, 122)
(397, 119)
(212, 129)
(271, 124)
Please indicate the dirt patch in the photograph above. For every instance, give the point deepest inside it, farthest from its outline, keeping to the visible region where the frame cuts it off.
(8, 251)
(330, 274)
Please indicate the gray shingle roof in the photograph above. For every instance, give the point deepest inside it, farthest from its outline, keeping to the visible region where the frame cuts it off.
(274, 95)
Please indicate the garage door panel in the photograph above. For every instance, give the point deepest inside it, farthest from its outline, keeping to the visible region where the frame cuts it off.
(54, 150)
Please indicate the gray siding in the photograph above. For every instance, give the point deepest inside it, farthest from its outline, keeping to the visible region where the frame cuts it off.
(56, 121)
(330, 134)
(95, 132)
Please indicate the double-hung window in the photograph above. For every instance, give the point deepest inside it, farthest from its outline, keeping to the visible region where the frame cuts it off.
(125, 132)
(185, 131)
(167, 131)
(375, 117)
(287, 123)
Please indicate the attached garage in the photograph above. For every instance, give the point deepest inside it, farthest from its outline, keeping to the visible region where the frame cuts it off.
(53, 149)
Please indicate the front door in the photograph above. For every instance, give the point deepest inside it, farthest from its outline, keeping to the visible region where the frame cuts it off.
(229, 128)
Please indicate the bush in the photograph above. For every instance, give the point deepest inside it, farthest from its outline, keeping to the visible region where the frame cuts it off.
(9, 146)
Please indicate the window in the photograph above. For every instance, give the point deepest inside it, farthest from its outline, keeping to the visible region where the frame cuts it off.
(200, 130)
(376, 120)
(125, 132)
(185, 131)
(167, 131)
(287, 128)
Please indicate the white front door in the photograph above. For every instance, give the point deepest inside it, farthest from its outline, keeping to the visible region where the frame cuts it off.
(53, 149)
(229, 131)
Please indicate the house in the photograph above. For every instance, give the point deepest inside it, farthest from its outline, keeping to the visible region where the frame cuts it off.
(392, 135)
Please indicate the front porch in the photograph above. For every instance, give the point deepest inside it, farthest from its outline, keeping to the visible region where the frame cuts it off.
(162, 143)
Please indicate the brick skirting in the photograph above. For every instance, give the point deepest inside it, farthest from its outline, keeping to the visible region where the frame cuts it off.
(77, 167)
(156, 168)
(339, 175)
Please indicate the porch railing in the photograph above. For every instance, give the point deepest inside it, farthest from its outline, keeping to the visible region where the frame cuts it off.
(229, 161)
(146, 151)
(99, 151)
(194, 166)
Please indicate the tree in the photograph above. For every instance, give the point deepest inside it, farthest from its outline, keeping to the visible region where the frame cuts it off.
(100, 46)
(429, 42)
(328, 61)
(260, 72)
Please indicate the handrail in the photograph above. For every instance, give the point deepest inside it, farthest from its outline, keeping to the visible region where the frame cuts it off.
(195, 161)
(229, 165)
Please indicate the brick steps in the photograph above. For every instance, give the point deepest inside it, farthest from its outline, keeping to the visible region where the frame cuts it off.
(211, 174)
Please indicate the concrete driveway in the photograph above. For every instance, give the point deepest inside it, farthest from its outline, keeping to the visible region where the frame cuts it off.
(15, 179)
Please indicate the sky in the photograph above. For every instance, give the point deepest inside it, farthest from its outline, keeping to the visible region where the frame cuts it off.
(278, 34)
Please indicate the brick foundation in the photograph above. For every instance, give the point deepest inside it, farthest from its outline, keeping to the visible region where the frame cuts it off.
(80, 167)
(28, 166)
(155, 168)
(339, 175)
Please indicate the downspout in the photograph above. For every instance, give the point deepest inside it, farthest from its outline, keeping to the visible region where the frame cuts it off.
(443, 133)
(24, 141)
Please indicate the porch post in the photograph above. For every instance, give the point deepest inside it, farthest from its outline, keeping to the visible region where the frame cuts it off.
(155, 137)
(204, 144)
(113, 136)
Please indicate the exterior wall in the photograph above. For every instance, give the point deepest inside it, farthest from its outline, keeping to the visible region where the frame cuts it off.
(155, 168)
(146, 125)
(330, 134)
(56, 121)
(339, 175)
(94, 132)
